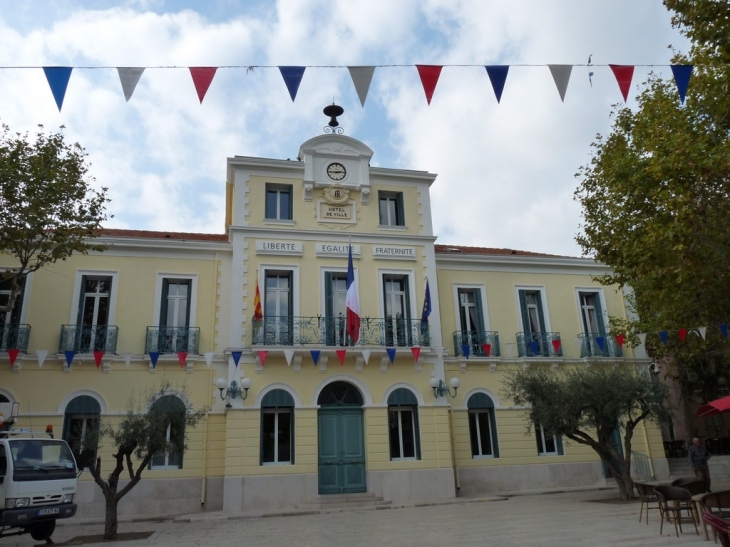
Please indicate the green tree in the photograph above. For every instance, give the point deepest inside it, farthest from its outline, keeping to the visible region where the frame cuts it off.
(587, 404)
(154, 426)
(48, 208)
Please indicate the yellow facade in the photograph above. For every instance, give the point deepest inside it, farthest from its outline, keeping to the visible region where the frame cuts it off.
(180, 307)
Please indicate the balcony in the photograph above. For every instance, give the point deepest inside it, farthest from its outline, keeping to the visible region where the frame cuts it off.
(476, 341)
(593, 345)
(172, 340)
(331, 331)
(88, 338)
(539, 344)
(14, 336)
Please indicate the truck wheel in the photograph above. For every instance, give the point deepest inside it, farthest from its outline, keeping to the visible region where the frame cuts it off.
(42, 530)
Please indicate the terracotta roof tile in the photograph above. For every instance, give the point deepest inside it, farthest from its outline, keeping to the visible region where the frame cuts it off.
(461, 249)
(148, 234)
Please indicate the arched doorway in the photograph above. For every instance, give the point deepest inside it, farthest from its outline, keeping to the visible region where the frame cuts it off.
(341, 440)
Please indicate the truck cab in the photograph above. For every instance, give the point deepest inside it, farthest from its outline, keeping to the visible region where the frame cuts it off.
(37, 484)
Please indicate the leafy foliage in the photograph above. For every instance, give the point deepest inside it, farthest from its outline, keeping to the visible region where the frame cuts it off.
(48, 207)
(586, 404)
(155, 424)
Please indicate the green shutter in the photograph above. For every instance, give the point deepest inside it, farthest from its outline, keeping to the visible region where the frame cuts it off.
(525, 317)
(599, 314)
(401, 220)
(277, 398)
(402, 397)
(559, 443)
(478, 308)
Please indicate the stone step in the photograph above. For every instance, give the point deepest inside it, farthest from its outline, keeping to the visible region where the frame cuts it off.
(344, 502)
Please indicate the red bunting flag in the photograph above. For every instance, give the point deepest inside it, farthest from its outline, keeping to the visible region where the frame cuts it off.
(182, 356)
(202, 76)
(556, 346)
(620, 338)
(624, 74)
(429, 78)
(262, 356)
(13, 354)
(487, 349)
(341, 355)
(98, 356)
(416, 353)
(682, 334)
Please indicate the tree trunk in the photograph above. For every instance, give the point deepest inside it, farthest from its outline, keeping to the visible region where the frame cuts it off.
(625, 483)
(111, 521)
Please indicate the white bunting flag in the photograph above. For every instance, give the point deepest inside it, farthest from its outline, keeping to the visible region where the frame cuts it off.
(129, 77)
(208, 357)
(289, 354)
(561, 75)
(42, 354)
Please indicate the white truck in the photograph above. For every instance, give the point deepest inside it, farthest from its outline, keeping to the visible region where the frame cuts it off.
(37, 483)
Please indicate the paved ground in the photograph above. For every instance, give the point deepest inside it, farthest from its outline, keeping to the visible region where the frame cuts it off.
(566, 519)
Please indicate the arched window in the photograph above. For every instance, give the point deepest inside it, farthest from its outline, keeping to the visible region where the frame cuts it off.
(169, 412)
(277, 428)
(80, 428)
(482, 426)
(403, 426)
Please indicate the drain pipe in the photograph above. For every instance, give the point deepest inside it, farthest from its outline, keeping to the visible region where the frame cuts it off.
(457, 481)
(204, 479)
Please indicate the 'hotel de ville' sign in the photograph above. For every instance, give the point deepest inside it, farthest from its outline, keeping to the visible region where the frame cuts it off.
(336, 207)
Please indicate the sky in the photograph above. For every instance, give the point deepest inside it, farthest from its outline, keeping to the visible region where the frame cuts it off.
(506, 171)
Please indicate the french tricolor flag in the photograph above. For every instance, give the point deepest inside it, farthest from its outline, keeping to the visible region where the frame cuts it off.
(353, 306)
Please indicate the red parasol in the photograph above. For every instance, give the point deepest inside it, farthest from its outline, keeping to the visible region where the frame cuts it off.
(718, 406)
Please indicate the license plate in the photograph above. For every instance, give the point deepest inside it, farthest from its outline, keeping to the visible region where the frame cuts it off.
(49, 511)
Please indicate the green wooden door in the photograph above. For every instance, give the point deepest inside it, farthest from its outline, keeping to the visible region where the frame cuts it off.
(341, 451)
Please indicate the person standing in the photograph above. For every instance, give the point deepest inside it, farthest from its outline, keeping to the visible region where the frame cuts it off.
(698, 456)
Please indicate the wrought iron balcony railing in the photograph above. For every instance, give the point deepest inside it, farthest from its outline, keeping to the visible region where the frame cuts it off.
(14, 336)
(599, 345)
(331, 331)
(480, 343)
(172, 340)
(88, 338)
(539, 344)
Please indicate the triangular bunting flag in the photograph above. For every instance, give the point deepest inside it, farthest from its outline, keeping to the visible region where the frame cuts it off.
(429, 78)
(620, 339)
(127, 358)
(561, 75)
(262, 356)
(663, 337)
(498, 76)
(642, 338)
(366, 355)
(600, 341)
(58, 77)
(723, 330)
(13, 354)
(202, 76)
(98, 356)
(391, 354)
(703, 332)
(129, 77)
(315, 355)
(69, 357)
(682, 74)
(624, 74)
(361, 77)
(535, 347)
(182, 356)
(682, 334)
(42, 354)
(341, 355)
(556, 345)
(236, 357)
(208, 358)
(466, 350)
(154, 356)
(416, 352)
(292, 78)
(487, 349)
(289, 354)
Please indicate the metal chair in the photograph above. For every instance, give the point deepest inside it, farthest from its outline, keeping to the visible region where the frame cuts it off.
(720, 527)
(647, 497)
(672, 501)
(694, 486)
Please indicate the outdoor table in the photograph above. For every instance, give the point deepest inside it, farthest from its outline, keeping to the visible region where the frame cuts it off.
(697, 500)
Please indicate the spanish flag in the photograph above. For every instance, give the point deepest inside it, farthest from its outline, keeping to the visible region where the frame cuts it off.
(257, 313)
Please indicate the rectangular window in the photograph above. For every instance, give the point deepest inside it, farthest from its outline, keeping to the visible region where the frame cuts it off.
(278, 202)
(175, 315)
(547, 444)
(590, 305)
(278, 308)
(276, 436)
(167, 459)
(402, 433)
(11, 335)
(335, 308)
(93, 314)
(396, 298)
(480, 432)
(391, 209)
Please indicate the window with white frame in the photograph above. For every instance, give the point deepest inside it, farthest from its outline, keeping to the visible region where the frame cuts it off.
(482, 426)
(278, 202)
(277, 428)
(10, 334)
(547, 443)
(80, 428)
(403, 426)
(397, 304)
(391, 209)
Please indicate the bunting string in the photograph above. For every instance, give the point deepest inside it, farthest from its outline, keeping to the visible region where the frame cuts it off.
(58, 76)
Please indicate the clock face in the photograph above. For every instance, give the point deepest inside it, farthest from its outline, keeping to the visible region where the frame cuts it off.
(336, 171)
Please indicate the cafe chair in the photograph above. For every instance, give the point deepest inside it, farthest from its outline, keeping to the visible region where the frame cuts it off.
(647, 497)
(672, 501)
(720, 527)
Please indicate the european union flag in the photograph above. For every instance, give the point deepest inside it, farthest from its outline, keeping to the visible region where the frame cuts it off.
(426, 304)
